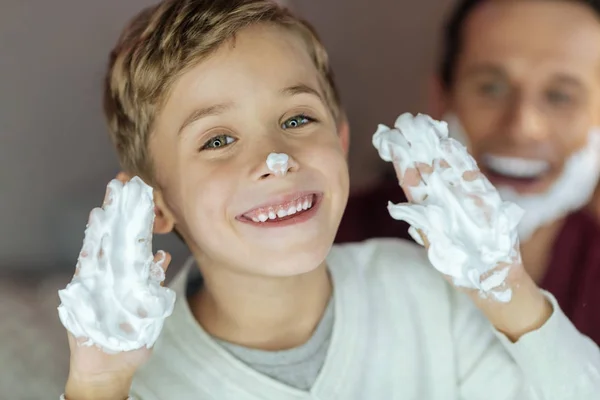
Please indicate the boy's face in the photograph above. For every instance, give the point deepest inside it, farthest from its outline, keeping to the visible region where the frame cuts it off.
(255, 95)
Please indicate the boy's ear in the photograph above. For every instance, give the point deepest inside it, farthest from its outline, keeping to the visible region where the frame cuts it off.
(164, 222)
(163, 219)
(343, 128)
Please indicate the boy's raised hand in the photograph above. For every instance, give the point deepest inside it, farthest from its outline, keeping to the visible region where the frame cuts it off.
(505, 293)
(95, 371)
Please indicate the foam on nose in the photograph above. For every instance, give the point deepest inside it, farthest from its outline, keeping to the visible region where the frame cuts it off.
(278, 163)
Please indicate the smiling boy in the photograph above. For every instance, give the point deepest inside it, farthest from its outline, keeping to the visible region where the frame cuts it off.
(198, 94)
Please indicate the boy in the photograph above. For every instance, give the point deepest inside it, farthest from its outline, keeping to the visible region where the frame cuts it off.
(198, 94)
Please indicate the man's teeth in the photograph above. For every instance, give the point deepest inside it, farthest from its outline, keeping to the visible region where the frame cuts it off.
(281, 211)
(515, 167)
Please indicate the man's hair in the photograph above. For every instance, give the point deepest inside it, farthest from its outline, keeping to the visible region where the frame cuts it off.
(163, 42)
(453, 31)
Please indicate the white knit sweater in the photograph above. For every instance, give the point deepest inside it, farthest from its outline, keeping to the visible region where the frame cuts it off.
(401, 332)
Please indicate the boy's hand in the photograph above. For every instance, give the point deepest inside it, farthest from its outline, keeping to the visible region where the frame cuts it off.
(97, 375)
(94, 374)
(528, 308)
(527, 311)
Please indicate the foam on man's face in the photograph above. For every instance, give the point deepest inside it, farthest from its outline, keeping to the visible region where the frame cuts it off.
(571, 191)
(256, 97)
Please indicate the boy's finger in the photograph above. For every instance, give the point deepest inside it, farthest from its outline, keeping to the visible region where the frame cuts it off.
(107, 198)
(159, 266)
(425, 170)
(443, 164)
(424, 239)
(162, 259)
(470, 176)
(410, 180)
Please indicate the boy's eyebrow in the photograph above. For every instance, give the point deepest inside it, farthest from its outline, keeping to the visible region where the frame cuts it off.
(301, 89)
(220, 108)
(203, 113)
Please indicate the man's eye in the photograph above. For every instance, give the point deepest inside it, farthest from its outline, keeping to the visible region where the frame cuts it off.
(218, 142)
(492, 89)
(296, 122)
(556, 97)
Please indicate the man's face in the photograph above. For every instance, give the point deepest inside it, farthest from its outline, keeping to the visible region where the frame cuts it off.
(527, 88)
(255, 95)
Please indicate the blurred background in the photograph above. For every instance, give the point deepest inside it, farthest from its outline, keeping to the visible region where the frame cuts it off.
(55, 155)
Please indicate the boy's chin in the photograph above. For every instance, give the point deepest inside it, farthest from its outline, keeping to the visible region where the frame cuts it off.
(291, 263)
(292, 269)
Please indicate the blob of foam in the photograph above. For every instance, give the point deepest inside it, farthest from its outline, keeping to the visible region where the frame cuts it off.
(278, 163)
(115, 300)
(472, 232)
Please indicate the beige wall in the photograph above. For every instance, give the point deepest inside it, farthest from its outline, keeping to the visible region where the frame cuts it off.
(55, 158)
(383, 53)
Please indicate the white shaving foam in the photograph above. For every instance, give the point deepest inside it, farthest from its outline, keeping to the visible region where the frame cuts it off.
(115, 300)
(572, 190)
(278, 163)
(471, 231)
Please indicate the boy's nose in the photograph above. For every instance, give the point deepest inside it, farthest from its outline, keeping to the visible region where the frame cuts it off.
(277, 165)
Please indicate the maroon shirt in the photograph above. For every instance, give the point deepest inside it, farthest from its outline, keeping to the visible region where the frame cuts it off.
(573, 275)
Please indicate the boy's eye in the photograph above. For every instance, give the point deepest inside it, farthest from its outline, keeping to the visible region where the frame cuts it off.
(218, 142)
(296, 122)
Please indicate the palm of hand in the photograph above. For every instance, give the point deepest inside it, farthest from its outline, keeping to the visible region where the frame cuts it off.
(91, 363)
(450, 201)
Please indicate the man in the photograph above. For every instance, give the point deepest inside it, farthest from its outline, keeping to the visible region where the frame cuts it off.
(519, 84)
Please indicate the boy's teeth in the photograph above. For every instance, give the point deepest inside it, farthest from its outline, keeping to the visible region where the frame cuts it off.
(281, 211)
(516, 167)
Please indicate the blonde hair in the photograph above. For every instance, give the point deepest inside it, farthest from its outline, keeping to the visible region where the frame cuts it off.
(165, 40)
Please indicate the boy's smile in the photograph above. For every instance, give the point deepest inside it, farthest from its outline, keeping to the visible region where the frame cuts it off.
(283, 210)
(257, 94)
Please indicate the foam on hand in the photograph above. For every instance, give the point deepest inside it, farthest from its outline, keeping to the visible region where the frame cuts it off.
(115, 300)
(278, 163)
(470, 229)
